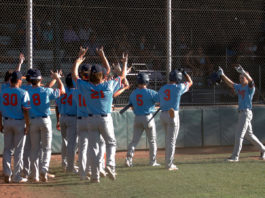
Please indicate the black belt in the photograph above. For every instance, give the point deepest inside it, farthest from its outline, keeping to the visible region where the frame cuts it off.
(70, 115)
(39, 117)
(6, 118)
(102, 115)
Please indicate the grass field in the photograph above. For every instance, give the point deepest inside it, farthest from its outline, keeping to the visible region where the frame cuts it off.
(199, 176)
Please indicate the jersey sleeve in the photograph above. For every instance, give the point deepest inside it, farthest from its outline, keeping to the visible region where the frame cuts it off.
(184, 87)
(53, 93)
(251, 91)
(236, 87)
(25, 100)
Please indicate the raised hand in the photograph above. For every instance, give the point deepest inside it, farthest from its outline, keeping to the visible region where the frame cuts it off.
(55, 75)
(100, 51)
(240, 69)
(82, 52)
(220, 72)
(124, 58)
(21, 58)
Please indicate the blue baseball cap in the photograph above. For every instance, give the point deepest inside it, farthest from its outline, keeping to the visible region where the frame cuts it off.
(16, 75)
(85, 68)
(35, 75)
(96, 69)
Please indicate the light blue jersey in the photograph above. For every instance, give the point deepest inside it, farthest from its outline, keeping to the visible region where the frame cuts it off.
(170, 94)
(67, 102)
(245, 96)
(13, 100)
(82, 107)
(99, 97)
(26, 87)
(143, 101)
(40, 98)
(4, 86)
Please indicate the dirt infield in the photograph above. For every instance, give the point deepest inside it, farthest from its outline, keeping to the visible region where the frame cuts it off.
(25, 190)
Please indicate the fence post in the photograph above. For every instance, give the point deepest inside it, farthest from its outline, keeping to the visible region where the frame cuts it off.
(30, 33)
(169, 39)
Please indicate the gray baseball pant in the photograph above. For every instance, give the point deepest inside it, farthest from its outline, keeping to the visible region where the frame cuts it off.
(83, 153)
(244, 127)
(140, 124)
(13, 139)
(40, 136)
(69, 128)
(171, 127)
(101, 126)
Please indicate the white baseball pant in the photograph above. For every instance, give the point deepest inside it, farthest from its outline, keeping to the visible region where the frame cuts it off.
(244, 127)
(13, 139)
(171, 127)
(140, 124)
(40, 136)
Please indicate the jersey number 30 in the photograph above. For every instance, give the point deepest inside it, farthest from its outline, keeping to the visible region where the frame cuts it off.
(12, 100)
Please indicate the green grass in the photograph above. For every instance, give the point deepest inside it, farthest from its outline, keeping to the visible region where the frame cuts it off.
(199, 176)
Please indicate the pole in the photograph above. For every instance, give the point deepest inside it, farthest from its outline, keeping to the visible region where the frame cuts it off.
(30, 33)
(169, 39)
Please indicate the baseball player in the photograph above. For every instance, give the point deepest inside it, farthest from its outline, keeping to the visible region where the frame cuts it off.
(15, 104)
(143, 101)
(169, 97)
(99, 97)
(245, 91)
(40, 123)
(66, 110)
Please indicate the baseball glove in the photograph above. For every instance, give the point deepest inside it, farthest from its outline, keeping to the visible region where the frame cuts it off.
(171, 112)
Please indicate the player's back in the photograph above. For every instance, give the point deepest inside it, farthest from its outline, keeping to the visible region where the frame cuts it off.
(67, 103)
(143, 101)
(40, 98)
(170, 94)
(12, 101)
(99, 97)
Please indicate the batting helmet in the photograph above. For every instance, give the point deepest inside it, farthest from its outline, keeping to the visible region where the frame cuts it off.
(175, 76)
(214, 79)
(143, 78)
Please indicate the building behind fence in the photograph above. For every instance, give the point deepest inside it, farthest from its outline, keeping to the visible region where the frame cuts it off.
(205, 35)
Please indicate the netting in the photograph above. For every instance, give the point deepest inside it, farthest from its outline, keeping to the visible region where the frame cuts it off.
(205, 35)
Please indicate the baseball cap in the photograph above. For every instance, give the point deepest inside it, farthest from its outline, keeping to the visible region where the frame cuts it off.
(96, 69)
(16, 75)
(35, 75)
(85, 68)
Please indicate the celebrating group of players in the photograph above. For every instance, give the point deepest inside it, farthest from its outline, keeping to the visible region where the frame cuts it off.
(83, 110)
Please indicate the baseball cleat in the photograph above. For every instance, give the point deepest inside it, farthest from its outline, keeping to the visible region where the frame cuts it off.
(111, 172)
(83, 178)
(20, 180)
(95, 181)
(103, 173)
(262, 155)
(155, 164)
(231, 159)
(173, 167)
(128, 162)
(44, 177)
(7, 179)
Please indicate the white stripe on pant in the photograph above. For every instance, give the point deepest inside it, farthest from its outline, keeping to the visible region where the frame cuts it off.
(13, 139)
(244, 127)
(40, 136)
(171, 127)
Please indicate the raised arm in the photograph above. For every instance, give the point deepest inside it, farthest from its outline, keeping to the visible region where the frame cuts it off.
(187, 76)
(124, 60)
(21, 61)
(240, 70)
(103, 59)
(227, 81)
(56, 76)
(120, 91)
(78, 62)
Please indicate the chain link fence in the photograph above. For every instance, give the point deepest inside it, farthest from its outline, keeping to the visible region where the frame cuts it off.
(205, 35)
